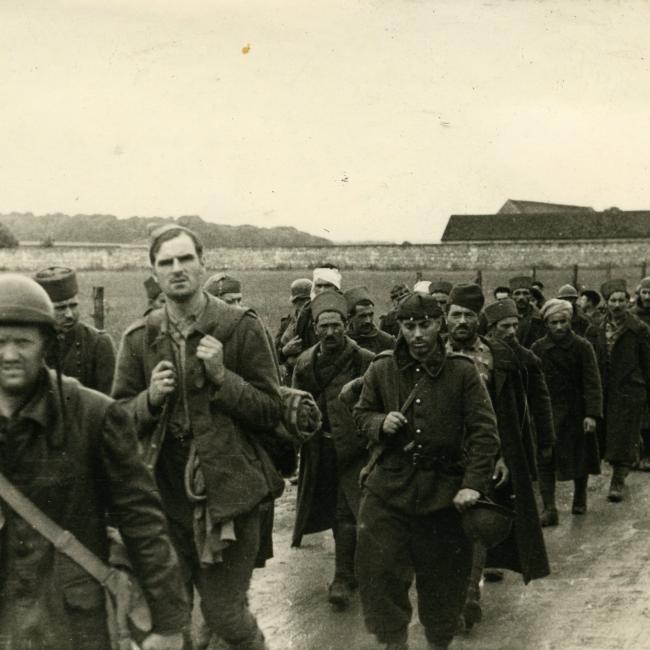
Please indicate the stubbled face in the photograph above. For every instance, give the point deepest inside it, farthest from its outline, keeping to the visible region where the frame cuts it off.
(522, 299)
(644, 297)
(506, 329)
(22, 349)
(330, 330)
(320, 285)
(617, 304)
(178, 269)
(559, 326)
(421, 336)
(462, 324)
(66, 313)
(363, 320)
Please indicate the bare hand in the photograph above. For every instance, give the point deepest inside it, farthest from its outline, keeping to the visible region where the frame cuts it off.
(501, 472)
(393, 422)
(589, 425)
(163, 642)
(163, 382)
(210, 351)
(293, 347)
(465, 499)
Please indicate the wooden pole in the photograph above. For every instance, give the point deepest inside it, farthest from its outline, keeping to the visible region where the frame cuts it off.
(575, 276)
(98, 303)
(644, 269)
(609, 271)
(534, 273)
(479, 277)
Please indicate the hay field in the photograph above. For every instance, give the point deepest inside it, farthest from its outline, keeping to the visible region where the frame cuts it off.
(267, 291)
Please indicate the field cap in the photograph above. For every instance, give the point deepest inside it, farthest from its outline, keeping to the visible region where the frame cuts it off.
(441, 286)
(567, 291)
(219, 283)
(593, 295)
(612, 286)
(418, 306)
(329, 301)
(356, 296)
(520, 282)
(152, 288)
(499, 310)
(556, 306)
(467, 295)
(300, 288)
(59, 282)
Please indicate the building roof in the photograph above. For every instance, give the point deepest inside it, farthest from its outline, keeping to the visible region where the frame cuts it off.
(514, 206)
(610, 224)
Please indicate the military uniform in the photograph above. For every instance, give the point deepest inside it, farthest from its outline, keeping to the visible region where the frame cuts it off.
(531, 327)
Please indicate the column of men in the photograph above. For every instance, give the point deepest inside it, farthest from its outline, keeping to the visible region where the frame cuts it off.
(449, 408)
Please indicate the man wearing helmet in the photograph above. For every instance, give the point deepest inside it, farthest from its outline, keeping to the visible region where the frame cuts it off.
(73, 453)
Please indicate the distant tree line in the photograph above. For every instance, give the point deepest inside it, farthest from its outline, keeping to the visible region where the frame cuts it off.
(104, 228)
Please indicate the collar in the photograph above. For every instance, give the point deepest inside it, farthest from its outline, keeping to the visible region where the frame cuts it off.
(37, 408)
(432, 365)
(476, 346)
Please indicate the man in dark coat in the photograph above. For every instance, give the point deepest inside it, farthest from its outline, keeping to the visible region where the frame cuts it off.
(622, 344)
(506, 381)
(199, 378)
(641, 310)
(433, 428)
(579, 322)
(330, 463)
(388, 322)
(361, 322)
(73, 453)
(573, 381)
(531, 326)
(85, 353)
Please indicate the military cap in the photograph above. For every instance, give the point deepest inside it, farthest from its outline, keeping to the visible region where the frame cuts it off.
(567, 291)
(22, 300)
(229, 285)
(398, 290)
(357, 295)
(592, 295)
(468, 295)
(612, 286)
(499, 310)
(520, 282)
(329, 301)
(418, 306)
(645, 283)
(441, 287)
(539, 284)
(300, 288)
(59, 282)
(152, 288)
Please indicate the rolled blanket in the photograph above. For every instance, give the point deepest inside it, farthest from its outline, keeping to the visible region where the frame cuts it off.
(301, 416)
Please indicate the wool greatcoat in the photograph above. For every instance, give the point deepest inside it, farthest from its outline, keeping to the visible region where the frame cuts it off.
(625, 374)
(512, 394)
(377, 341)
(573, 382)
(321, 471)
(531, 327)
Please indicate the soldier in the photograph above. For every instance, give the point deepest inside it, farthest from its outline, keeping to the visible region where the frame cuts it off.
(328, 490)
(361, 319)
(590, 302)
(506, 381)
(440, 290)
(531, 325)
(579, 322)
(73, 453)
(641, 310)
(431, 420)
(573, 381)
(622, 344)
(388, 322)
(501, 293)
(86, 353)
(224, 287)
(155, 297)
(187, 371)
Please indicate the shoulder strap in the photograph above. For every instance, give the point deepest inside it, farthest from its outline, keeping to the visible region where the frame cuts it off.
(409, 399)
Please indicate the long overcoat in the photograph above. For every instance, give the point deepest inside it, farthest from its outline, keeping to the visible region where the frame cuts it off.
(573, 381)
(321, 471)
(625, 373)
(531, 327)
(512, 392)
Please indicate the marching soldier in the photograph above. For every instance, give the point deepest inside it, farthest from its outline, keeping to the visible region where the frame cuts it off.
(73, 453)
(531, 326)
(86, 353)
(579, 322)
(361, 318)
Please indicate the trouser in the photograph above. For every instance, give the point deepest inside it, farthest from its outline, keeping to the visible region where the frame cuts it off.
(391, 546)
(345, 540)
(546, 476)
(223, 587)
(479, 558)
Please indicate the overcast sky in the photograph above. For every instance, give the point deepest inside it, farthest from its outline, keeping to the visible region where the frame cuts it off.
(348, 119)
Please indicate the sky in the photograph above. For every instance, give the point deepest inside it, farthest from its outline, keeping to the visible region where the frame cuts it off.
(349, 119)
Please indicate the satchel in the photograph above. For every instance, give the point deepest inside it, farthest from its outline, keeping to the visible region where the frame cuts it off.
(128, 614)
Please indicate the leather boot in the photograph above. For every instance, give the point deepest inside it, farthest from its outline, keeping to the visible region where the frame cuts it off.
(579, 506)
(340, 594)
(617, 485)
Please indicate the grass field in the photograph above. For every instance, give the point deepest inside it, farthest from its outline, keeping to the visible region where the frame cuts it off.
(268, 291)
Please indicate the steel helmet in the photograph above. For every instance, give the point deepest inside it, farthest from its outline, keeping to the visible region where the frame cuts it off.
(23, 300)
(487, 522)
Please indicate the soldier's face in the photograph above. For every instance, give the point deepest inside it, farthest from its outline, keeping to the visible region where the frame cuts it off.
(441, 298)
(22, 349)
(320, 285)
(231, 298)
(66, 313)
(558, 325)
(330, 330)
(644, 295)
(617, 303)
(178, 269)
(362, 321)
(506, 329)
(421, 336)
(521, 298)
(462, 324)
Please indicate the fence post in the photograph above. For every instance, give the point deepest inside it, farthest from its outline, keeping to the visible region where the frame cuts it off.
(609, 271)
(575, 276)
(479, 277)
(98, 307)
(534, 273)
(644, 269)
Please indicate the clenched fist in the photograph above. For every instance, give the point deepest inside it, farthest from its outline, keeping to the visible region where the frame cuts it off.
(210, 351)
(163, 382)
(393, 422)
